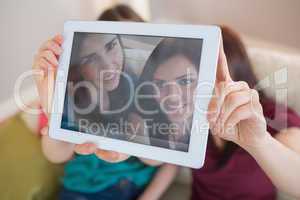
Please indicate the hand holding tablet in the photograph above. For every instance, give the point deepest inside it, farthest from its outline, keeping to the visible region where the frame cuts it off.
(139, 89)
(47, 61)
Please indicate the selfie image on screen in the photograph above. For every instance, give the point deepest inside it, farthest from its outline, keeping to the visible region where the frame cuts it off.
(134, 88)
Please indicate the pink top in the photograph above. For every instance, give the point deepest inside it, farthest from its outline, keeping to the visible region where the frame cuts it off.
(240, 177)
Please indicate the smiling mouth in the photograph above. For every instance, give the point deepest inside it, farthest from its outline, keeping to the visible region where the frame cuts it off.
(176, 108)
(110, 76)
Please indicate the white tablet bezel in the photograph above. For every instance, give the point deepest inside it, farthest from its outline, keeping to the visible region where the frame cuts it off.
(211, 39)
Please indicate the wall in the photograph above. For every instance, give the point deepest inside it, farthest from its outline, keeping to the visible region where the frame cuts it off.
(26, 24)
(271, 20)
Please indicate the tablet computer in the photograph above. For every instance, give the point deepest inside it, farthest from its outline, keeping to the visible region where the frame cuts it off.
(136, 88)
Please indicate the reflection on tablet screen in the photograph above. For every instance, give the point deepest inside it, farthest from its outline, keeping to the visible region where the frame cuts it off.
(135, 88)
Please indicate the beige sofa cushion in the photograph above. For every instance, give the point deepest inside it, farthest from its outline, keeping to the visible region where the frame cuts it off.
(279, 74)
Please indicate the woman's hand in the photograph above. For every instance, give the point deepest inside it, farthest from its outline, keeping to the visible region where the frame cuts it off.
(235, 113)
(53, 150)
(46, 63)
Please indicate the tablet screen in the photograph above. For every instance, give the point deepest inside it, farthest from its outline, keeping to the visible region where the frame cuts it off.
(131, 87)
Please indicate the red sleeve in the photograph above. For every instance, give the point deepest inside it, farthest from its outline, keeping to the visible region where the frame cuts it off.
(279, 116)
(43, 121)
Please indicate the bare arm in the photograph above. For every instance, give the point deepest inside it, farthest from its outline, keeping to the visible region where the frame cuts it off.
(57, 151)
(161, 181)
(281, 160)
(290, 137)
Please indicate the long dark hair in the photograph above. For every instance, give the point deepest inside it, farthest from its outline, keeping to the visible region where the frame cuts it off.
(123, 85)
(166, 49)
(240, 66)
(82, 98)
(118, 97)
(120, 12)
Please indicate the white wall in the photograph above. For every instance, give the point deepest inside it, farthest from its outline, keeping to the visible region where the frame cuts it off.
(271, 20)
(26, 24)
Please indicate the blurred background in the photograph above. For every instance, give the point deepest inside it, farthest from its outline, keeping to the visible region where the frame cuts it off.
(26, 24)
(269, 28)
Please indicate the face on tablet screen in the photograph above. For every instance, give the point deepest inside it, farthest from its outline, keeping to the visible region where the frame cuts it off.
(135, 88)
(101, 53)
